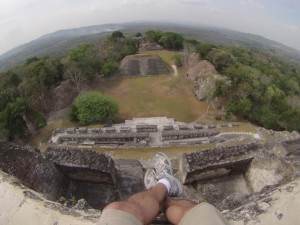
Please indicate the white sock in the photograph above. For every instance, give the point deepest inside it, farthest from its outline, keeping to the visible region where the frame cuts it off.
(165, 182)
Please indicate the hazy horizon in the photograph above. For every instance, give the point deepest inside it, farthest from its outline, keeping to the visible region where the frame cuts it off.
(25, 20)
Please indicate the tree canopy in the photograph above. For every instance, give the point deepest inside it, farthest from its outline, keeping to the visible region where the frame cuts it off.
(168, 40)
(264, 87)
(93, 107)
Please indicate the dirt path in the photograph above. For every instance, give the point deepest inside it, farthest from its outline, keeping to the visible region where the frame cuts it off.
(174, 67)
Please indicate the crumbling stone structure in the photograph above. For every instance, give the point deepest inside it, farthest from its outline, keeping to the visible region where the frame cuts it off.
(227, 176)
(217, 162)
(66, 172)
(186, 134)
(153, 131)
(142, 65)
(104, 138)
(36, 172)
(146, 128)
(292, 147)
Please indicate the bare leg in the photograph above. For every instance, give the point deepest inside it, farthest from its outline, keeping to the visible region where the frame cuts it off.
(176, 209)
(144, 206)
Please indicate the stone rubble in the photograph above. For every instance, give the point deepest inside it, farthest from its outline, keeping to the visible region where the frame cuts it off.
(239, 178)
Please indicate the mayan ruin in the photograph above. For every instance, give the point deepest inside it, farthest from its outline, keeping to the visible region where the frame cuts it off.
(147, 122)
(151, 132)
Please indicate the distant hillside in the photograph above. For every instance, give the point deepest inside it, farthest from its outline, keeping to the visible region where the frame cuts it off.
(59, 42)
(56, 43)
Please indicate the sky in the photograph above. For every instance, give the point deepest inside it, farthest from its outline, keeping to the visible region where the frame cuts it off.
(22, 21)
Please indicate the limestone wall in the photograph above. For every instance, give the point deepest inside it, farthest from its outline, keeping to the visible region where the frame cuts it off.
(65, 172)
(36, 172)
(22, 206)
(212, 163)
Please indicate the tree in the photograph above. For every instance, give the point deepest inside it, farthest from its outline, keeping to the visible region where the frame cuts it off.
(75, 75)
(77, 54)
(212, 88)
(171, 40)
(138, 35)
(11, 118)
(289, 120)
(153, 36)
(109, 68)
(220, 59)
(117, 35)
(204, 49)
(93, 107)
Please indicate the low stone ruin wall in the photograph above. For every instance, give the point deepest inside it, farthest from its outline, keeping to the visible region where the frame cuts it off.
(83, 165)
(36, 172)
(65, 172)
(103, 138)
(186, 134)
(212, 163)
(146, 128)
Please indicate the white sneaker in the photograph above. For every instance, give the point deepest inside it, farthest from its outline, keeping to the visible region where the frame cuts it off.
(163, 169)
(162, 165)
(150, 179)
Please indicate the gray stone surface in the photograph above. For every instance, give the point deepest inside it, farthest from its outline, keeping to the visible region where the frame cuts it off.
(292, 147)
(130, 177)
(73, 173)
(20, 205)
(267, 170)
(36, 172)
(141, 65)
(83, 165)
(212, 163)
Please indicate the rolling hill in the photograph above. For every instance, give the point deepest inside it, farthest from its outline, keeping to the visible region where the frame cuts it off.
(59, 42)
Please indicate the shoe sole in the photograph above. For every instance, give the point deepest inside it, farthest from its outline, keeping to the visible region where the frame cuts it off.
(149, 183)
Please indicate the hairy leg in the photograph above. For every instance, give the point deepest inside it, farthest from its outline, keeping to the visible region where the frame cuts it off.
(176, 209)
(144, 206)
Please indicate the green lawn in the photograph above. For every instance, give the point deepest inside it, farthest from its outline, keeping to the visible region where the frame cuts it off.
(162, 95)
(165, 55)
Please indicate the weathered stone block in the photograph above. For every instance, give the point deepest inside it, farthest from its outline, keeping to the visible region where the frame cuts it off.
(292, 147)
(213, 163)
(97, 195)
(83, 165)
(130, 177)
(141, 65)
(34, 171)
(267, 170)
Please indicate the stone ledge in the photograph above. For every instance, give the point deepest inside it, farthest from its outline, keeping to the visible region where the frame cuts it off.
(213, 163)
(83, 165)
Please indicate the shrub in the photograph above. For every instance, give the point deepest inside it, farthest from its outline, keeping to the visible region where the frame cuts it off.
(94, 107)
(109, 68)
(39, 120)
(73, 114)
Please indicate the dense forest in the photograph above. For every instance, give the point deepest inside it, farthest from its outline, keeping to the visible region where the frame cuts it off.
(23, 90)
(264, 88)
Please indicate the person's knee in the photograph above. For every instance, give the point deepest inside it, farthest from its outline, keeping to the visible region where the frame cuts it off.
(128, 207)
(207, 205)
(117, 206)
